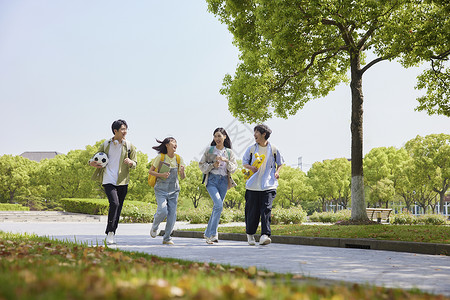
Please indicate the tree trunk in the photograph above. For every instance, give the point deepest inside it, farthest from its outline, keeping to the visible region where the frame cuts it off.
(358, 202)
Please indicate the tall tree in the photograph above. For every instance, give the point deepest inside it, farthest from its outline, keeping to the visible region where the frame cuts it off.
(431, 155)
(293, 51)
(382, 168)
(292, 188)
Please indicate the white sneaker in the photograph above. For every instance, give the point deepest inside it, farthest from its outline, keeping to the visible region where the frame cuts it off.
(110, 238)
(264, 240)
(209, 241)
(251, 239)
(153, 232)
(215, 239)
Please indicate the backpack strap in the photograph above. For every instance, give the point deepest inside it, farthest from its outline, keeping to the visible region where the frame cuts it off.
(128, 146)
(106, 146)
(274, 152)
(252, 150)
(178, 161)
(161, 160)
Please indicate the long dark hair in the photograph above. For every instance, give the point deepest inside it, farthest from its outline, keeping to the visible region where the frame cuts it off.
(161, 148)
(227, 142)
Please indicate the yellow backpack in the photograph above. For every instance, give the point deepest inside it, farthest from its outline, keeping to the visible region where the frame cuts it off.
(151, 178)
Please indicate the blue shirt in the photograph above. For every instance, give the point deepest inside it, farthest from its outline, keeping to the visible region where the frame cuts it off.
(268, 180)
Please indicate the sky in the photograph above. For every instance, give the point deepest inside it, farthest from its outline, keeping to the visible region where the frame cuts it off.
(69, 68)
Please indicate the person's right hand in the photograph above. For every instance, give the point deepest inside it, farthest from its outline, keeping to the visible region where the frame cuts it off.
(254, 169)
(165, 175)
(95, 164)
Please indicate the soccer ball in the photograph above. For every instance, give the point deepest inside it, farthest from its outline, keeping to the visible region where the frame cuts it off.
(101, 158)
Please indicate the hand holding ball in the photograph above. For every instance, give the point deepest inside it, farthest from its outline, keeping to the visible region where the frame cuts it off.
(101, 158)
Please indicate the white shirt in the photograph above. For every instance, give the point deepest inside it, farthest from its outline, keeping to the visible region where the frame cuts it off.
(257, 183)
(112, 168)
(222, 170)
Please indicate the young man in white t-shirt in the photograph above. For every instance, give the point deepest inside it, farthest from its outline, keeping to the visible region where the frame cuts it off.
(261, 187)
(116, 175)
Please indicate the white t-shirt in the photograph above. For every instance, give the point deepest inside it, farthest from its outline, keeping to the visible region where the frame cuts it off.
(222, 170)
(112, 168)
(256, 186)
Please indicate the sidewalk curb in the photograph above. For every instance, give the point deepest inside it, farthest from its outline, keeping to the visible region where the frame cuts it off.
(369, 244)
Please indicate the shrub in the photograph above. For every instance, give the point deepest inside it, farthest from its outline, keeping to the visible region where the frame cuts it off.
(293, 215)
(432, 219)
(331, 217)
(132, 211)
(13, 207)
(403, 219)
(85, 206)
(137, 212)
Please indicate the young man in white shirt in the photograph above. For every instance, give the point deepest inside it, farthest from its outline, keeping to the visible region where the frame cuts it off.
(261, 187)
(116, 175)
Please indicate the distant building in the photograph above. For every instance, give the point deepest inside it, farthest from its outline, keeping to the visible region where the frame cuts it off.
(39, 155)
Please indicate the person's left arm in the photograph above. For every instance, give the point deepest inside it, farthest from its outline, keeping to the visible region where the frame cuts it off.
(279, 163)
(181, 170)
(131, 159)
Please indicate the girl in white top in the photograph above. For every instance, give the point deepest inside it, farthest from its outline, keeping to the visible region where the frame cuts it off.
(217, 163)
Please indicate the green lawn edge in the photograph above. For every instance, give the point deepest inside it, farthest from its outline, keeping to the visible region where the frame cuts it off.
(439, 234)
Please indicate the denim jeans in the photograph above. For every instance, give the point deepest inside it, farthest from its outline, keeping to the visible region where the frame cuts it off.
(217, 188)
(166, 193)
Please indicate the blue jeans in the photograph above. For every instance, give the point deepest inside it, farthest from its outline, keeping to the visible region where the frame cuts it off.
(166, 193)
(217, 188)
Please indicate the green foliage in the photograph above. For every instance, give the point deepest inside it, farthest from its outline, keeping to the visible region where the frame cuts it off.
(199, 215)
(235, 198)
(331, 217)
(137, 212)
(292, 52)
(403, 219)
(406, 233)
(138, 188)
(85, 206)
(13, 207)
(293, 215)
(432, 219)
(39, 203)
(292, 187)
(330, 181)
(409, 219)
(132, 211)
(192, 187)
(15, 176)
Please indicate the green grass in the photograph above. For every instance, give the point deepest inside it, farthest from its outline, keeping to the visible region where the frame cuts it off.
(34, 267)
(406, 233)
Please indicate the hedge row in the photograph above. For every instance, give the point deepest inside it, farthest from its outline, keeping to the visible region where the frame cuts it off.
(409, 219)
(142, 212)
(132, 211)
(13, 207)
(331, 217)
(398, 219)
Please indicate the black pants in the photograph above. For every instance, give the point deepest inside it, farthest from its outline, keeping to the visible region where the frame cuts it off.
(258, 205)
(116, 196)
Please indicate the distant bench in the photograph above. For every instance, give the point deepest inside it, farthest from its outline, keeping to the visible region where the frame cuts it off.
(372, 213)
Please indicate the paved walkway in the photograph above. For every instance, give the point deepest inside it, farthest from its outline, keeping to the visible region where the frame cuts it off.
(430, 273)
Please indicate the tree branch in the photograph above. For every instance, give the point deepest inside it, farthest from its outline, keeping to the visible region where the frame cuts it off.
(373, 62)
